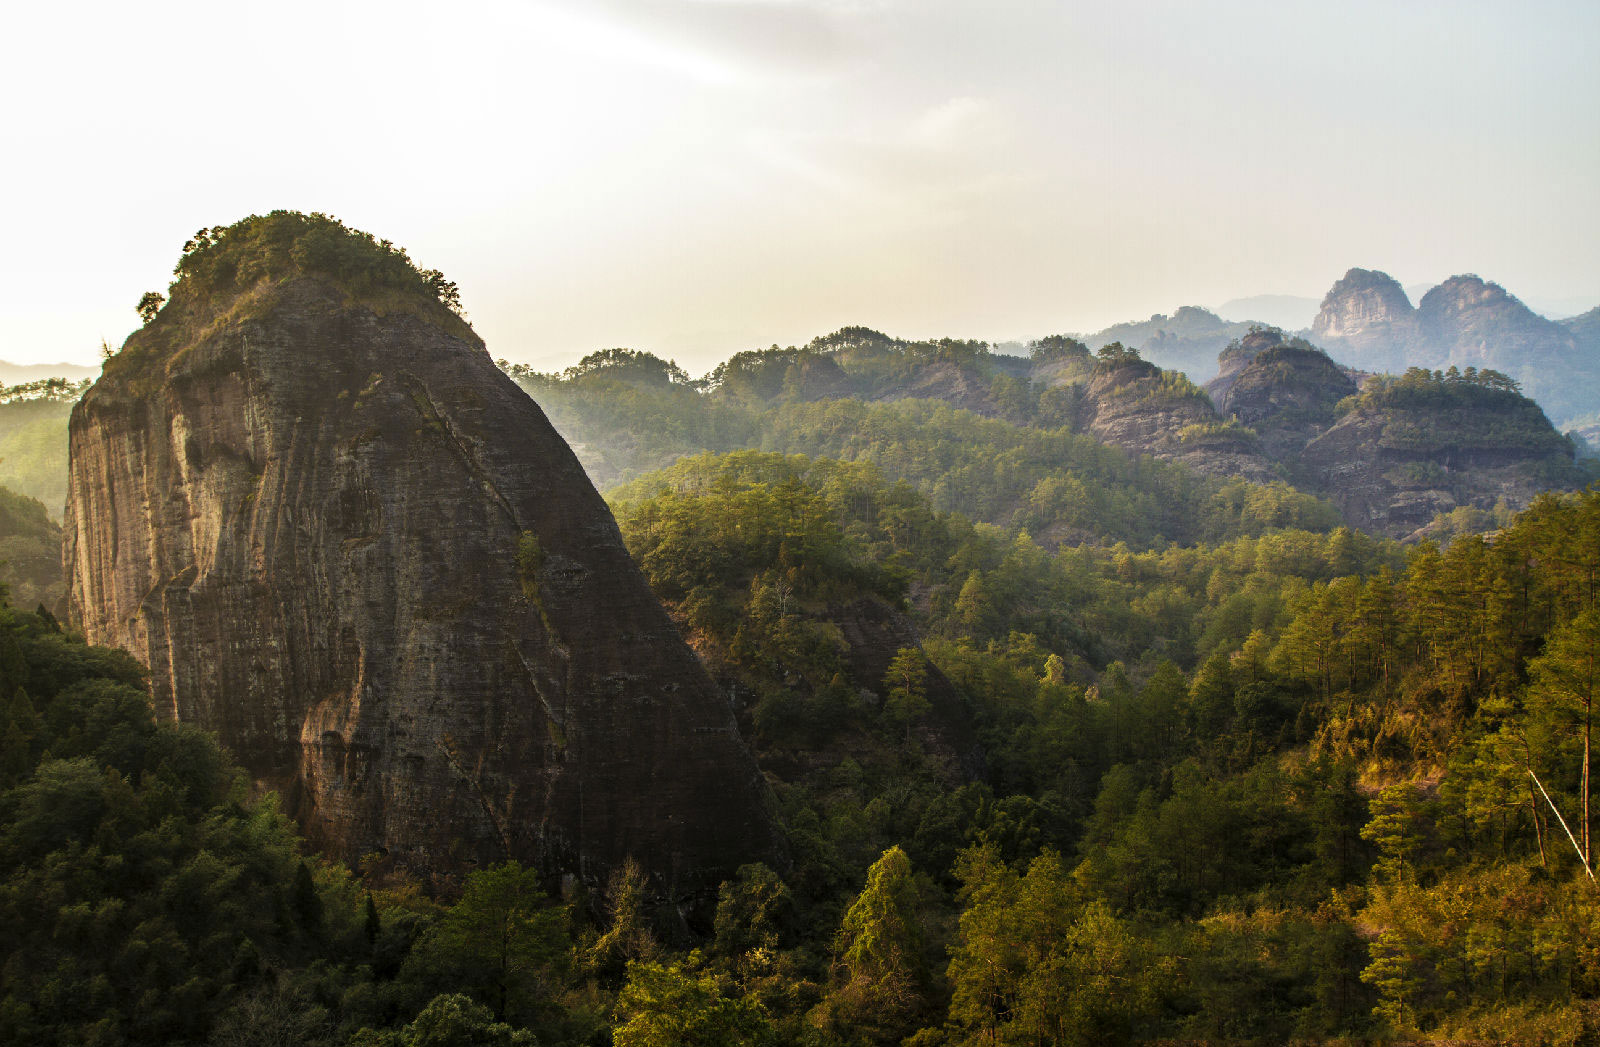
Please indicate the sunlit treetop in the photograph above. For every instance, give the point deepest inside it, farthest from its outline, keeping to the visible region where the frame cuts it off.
(283, 244)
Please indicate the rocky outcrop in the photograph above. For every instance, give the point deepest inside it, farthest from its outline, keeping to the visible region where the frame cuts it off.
(1470, 322)
(343, 540)
(1367, 315)
(1285, 389)
(1414, 447)
(1585, 329)
(1135, 405)
(1367, 321)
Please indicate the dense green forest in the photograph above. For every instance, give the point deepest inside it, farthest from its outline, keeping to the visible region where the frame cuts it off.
(1070, 746)
(1274, 785)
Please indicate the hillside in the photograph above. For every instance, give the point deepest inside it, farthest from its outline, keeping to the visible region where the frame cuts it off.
(1425, 444)
(1188, 340)
(30, 554)
(33, 439)
(1132, 404)
(1367, 321)
(1044, 718)
(1402, 451)
(1286, 390)
(627, 413)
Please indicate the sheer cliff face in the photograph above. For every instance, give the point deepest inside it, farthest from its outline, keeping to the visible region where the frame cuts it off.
(1128, 406)
(352, 547)
(1369, 313)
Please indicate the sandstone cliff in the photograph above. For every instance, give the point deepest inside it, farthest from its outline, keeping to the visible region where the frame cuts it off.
(1133, 404)
(1399, 451)
(1287, 390)
(1412, 447)
(1470, 322)
(1367, 320)
(339, 537)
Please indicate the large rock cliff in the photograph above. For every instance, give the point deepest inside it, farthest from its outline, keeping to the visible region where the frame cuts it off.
(1133, 404)
(1410, 448)
(1286, 389)
(339, 537)
(1366, 319)
(1400, 450)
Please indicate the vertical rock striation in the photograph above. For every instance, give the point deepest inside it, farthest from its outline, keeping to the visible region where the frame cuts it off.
(343, 540)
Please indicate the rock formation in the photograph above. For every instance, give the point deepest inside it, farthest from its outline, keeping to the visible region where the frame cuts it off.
(1469, 322)
(1367, 321)
(1399, 451)
(1133, 404)
(1285, 389)
(1188, 340)
(1367, 315)
(339, 537)
(1417, 446)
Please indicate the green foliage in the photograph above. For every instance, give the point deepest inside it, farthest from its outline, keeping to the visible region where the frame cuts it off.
(1115, 354)
(269, 247)
(150, 304)
(668, 1005)
(882, 972)
(33, 439)
(906, 688)
(137, 887)
(1036, 963)
(503, 942)
(30, 552)
(449, 1020)
(1057, 347)
(530, 561)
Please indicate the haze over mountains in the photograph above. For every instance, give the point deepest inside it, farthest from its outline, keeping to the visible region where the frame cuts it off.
(1367, 321)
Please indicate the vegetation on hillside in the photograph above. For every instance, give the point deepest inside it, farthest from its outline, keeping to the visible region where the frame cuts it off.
(223, 271)
(1070, 746)
(30, 553)
(33, 438)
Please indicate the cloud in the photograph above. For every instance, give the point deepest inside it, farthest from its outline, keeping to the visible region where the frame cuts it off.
(934, 167)
(960, 123)
(717, 41)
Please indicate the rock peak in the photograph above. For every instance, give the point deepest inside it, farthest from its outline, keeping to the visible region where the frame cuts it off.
(339, 537)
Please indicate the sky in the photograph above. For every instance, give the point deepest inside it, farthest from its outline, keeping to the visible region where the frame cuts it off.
(698, 177)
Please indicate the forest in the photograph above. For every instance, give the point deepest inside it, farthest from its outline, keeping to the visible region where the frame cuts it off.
(1070, 746)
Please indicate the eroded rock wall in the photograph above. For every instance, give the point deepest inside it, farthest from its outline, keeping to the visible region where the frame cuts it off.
(352, 547)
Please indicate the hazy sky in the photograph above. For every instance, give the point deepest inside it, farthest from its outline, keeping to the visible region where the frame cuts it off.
(697, 177)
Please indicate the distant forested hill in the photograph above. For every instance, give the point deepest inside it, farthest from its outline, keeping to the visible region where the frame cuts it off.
(33, 438)
(1081, 446)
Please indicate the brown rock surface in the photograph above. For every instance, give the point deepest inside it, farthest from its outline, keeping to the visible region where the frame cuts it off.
(1284, 389)
(343, 540)
(1417, 446)
(1136, 406)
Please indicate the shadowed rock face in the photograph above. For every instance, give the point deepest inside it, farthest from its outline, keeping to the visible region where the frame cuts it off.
(349, 545)
(1127, 405)
(1286, 391)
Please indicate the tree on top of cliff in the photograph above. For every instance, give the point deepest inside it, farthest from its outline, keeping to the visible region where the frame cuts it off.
(287, 243)
(1116, 354)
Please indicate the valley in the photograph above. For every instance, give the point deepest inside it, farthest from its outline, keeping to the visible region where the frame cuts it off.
(895, 691)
